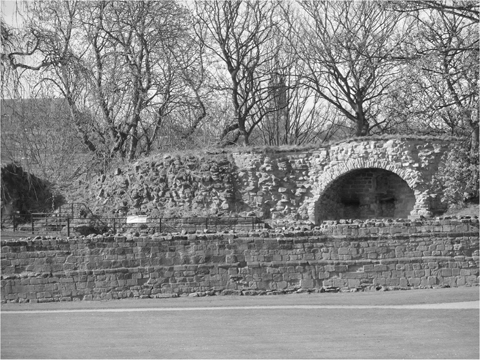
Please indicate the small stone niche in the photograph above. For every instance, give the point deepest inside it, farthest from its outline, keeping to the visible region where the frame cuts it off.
(366, 194)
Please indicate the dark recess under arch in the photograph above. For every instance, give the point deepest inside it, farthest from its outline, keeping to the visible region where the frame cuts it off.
(365, 194)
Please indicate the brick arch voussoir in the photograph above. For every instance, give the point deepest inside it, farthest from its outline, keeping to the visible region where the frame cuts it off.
(410, 176)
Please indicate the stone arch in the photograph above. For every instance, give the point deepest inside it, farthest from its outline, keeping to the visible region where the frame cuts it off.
(365, 194)
(410, 177)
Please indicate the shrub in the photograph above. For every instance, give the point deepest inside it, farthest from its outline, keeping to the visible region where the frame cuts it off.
(458, 176)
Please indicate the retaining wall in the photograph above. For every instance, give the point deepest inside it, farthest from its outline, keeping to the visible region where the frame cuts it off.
(336, 255)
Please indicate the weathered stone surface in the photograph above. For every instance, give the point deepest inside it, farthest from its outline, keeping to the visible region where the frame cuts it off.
(249, 263)
(291, 185)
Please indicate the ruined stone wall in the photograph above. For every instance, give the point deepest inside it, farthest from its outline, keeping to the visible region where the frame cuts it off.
(275, 184)
(414, 160)
(340, 256)
(278, 184)
(162, 186)
(288, 185)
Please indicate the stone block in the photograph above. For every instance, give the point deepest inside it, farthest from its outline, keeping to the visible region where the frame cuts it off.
(307, 283)
(471, 279)
(339, 282)
(380, 267)
(419, 273)
(354, 275)
(415, 281)
(455, 272)
(461, 280)
(392, 282)
(446, 272)
(379, 281)
(323, 275)
(367, 268)
(353, 283)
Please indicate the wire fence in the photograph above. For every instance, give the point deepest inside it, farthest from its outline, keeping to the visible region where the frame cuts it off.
(48, 223)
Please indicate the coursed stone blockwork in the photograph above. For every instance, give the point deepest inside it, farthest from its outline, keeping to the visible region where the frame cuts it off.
(340, 256)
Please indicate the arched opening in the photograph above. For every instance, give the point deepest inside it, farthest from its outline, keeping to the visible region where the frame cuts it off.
(365, 194)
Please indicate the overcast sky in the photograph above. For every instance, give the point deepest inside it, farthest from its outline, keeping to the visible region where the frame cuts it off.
(10, 11)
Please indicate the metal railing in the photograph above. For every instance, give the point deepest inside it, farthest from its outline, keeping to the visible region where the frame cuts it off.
(54, 223)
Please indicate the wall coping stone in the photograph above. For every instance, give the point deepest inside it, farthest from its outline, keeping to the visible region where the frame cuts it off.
(307, 148)
(416, 228)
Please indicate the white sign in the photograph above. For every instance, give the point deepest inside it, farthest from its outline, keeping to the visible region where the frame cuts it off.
(136, 219)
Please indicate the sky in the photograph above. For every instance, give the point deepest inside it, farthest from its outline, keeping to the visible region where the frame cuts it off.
(9, 11)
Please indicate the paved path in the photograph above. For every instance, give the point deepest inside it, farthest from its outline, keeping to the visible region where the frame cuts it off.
(441, 323)
(445, 306)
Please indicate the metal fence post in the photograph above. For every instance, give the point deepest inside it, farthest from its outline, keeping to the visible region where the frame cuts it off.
(14, 227)
(160, 225)
(33, 227)
(68, 226)
(114, 227)
(206, 223)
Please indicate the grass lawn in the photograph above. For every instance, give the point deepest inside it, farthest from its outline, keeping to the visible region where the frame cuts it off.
(248, 333)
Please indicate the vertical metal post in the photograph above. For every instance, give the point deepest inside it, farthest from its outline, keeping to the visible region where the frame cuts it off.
(206, 223)
(68, 226)
(31, 219)
(253, 223)
(114, 227)
(14, 227)
(160, 225)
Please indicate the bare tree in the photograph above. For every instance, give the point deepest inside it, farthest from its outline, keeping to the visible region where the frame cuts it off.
(119, 65)
(239, 33)
(37, 135)
(349, 48)
(300, 115)
(441, 82)
(466, 9)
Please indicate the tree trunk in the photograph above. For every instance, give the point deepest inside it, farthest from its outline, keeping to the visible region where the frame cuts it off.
(243, 138)
(76, 115)
(474, 126)
(362, 127)
(133, 141)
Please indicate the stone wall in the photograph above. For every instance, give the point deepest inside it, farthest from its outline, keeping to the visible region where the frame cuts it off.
(355, 256)
(271, 183)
